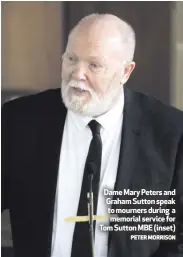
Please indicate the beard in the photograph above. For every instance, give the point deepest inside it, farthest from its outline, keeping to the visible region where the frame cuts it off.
(88, 102)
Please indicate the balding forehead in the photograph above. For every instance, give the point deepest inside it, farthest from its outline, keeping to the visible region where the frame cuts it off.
(105, 27)
(86, 43)
(103, 24)
(101, 30)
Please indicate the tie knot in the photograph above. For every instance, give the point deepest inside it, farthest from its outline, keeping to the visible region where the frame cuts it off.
(95, 127)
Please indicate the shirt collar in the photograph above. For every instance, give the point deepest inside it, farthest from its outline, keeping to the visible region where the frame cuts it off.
(107, 120)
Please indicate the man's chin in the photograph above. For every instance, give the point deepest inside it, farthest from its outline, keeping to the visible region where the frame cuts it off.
(75, 106)
(80, 105)
(81, 109)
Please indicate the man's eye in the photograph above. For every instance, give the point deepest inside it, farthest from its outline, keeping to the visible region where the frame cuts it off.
(94, 65)
(70, 58)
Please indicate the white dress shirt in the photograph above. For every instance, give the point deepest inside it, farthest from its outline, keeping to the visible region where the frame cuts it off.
(74, 150)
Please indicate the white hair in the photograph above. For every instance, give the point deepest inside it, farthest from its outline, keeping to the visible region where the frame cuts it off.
(126, 31)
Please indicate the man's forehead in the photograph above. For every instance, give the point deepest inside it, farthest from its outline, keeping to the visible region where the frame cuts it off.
(96, 30)
(97, 41)
(84, 43)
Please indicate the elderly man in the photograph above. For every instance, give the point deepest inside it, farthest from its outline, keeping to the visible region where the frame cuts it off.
(125, 139)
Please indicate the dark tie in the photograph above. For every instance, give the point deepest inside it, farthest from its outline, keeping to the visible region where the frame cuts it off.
(81, 246)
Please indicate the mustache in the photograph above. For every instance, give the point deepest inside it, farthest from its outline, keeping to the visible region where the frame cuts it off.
(79, 85)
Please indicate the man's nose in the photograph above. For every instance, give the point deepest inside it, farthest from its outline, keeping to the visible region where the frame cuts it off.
(79, 73)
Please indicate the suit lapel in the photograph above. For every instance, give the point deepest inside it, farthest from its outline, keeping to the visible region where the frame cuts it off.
(50, 137)
(131, 132)
(140, 166)
(130, 143)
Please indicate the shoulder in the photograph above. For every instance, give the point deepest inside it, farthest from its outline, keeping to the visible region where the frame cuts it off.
(31, 105)
(157, 114)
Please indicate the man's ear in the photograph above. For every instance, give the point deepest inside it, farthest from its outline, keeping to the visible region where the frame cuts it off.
(129, 67)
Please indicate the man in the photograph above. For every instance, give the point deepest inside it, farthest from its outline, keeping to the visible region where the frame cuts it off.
(46, 148)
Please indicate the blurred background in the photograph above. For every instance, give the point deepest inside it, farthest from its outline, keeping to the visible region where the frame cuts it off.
(34, 35)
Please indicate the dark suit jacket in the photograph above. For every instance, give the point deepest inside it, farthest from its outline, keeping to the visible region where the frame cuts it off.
(151, 157)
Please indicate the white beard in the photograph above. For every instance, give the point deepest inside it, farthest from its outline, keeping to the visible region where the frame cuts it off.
(97, 104)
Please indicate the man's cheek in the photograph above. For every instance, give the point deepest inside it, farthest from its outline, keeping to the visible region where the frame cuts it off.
(66, 73)
(102, 89)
